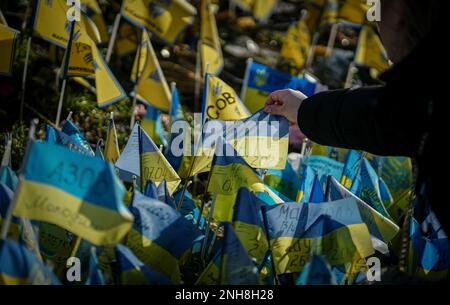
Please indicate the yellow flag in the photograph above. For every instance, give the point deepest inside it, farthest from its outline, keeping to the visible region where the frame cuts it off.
(51, 24)
(128, 39)
(262, 9)
(211, 50)
(8, 42)
(222, 102)
(370, 50)
(166, 19)
(353, 11)
(93, 11)
(112, 152)
(297, 43)
(152, 87)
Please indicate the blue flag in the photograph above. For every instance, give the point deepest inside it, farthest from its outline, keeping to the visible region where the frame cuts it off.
(95, 276)
(8, 177)
(316, 272)
(317, 195)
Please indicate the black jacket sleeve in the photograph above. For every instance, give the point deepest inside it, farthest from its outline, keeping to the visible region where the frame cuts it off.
(382, 120)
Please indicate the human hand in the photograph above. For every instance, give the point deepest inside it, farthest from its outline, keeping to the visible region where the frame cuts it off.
(286, 103)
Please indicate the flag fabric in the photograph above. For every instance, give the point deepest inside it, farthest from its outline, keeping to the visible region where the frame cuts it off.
(163, 194)
(176, 112)
(151, 88)
(95, 276)
(160, 235)
(285, 181)
(316, 272)
(324, 167)
(127, 40)
(351, 168)
(211, 274)
(6, 197)
(165, 19)
(260, 9)
(428, 255)
(70, 129)
(79, 193)
(317, 194)
(380, 227)
(112, 152)
(297, 43)
(2, 19)
(19, 266)
(8, 177)
(263, 80)
(211, 50)
(237, 267)
(221, 102)
(353, 11)
(98, 150)
(133, 271)
(248, 224)
(151, 190)
(295, 230)
(370, 51)
(76, 143)
(141, 158)
(92, 9)
(368, 188)
(306, 185)
(8, 43)
(152, 125)
(85, 59)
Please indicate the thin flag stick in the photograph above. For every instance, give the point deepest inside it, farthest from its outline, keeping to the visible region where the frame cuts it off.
(332, 39)
(24, 78)
(66, 66)
(246, 78)
(138, 74)
(198, 75)
(112, 41)
(208, 227)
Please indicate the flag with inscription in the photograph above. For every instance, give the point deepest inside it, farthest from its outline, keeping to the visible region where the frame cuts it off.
(141, 158)
(79, 193)
(160, 235)
(221, 102)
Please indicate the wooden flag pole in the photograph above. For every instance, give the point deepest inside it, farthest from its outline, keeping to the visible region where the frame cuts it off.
(332, 39)
(246, 78)
(198, 75)
(138, 75)
(112, 41)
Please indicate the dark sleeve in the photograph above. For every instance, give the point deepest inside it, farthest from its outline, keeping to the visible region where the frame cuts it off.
(373, 119)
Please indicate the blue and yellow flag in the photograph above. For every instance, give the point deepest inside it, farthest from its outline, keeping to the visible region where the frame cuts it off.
(263, 80)
(316, 272)
(428, 256)
(236, 266)
(76, 143)
(70, 129)
(351, 168)
(79, 193)
(189, 209)
(248, 224)
(297, 230)
(8, 177)
(152, 125)
(380, 227)
(151, 88)
(368, 188)
(221, 102)
(112, 152)
(325, 166)
(132, 271)
(165, 19)
(176, 112)
(317, 194)
(353, 11)
(160, 235)
(296, 44)
(128, 38)
(95, 275)
(19, 266)
(306, 184)
(285, 181)
(211, 50)
(163, 194)
(330, 12)
(260, 9)
(8, 44)
(6, 197)
(141, 158)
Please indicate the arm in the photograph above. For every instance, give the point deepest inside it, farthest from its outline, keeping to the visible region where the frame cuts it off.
(373, 119)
